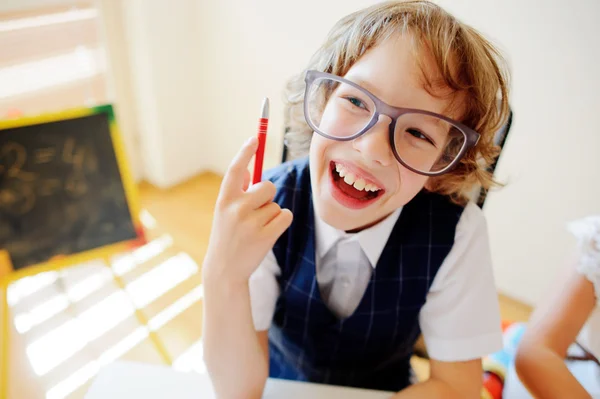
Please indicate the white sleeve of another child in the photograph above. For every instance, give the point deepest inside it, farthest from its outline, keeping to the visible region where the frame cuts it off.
(264, 291)
(587, 232)
(461, 317)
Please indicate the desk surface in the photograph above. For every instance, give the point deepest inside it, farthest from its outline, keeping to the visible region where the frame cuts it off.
(125, 380)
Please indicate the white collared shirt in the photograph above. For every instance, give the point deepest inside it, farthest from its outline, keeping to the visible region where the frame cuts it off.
(461, 316)
(345, 262)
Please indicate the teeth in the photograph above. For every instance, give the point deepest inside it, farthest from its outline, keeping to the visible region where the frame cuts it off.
(360, 184)
(349, 178)
(353, 180)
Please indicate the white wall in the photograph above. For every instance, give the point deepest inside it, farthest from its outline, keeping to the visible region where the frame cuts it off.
(257, 46)
(26, 5)
(551, 162)
(119, 85)
(166, 55)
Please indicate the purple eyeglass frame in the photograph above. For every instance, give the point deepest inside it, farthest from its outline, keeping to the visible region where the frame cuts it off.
(382, 108)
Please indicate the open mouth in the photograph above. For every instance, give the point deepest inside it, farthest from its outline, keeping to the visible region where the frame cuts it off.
(351, 190)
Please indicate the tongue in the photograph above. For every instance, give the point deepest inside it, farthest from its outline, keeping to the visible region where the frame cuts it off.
(351, 191)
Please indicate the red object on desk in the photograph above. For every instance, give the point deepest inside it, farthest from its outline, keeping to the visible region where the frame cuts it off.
(263, 123)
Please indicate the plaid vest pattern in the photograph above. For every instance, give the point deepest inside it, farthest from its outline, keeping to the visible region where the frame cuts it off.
(372, 347)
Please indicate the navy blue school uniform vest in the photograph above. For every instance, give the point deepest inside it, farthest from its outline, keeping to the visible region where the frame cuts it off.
(372, 347)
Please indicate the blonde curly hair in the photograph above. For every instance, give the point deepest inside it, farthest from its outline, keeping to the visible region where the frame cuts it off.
(468, 64)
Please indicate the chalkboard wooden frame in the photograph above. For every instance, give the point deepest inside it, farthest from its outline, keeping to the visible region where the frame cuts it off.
(7, 273)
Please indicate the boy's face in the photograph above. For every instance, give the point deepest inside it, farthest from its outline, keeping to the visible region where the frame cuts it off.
(389, 71)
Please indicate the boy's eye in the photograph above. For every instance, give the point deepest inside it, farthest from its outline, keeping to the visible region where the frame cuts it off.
(417, 134)
(357, 102)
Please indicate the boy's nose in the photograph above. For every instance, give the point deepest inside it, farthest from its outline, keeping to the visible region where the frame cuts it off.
(374, 145)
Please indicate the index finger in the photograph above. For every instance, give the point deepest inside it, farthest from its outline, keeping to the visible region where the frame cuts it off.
(233, 181)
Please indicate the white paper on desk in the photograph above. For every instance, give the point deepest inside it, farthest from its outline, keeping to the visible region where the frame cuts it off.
(127, 380)
(277, 389)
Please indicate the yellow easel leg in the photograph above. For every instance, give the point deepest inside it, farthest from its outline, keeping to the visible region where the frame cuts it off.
(144, 321)
(5, 268)
(4, 339)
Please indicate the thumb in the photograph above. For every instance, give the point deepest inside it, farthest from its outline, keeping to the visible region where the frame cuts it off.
(279, 224)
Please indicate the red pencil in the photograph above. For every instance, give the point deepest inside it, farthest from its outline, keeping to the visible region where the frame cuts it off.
(262, 138)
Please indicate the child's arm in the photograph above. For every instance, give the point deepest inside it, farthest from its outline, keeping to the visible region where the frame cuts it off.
(554, 327)
(448, 380)
(245, 227)
(233, 350)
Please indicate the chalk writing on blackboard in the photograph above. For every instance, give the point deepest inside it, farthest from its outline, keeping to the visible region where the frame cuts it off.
(17, 156)
(17, 201)
(44, 155)
(21, 198)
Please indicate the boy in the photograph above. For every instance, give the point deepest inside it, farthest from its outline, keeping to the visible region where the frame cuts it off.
(400, 105)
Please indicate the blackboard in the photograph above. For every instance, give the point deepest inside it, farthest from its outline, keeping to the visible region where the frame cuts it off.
(64, 187)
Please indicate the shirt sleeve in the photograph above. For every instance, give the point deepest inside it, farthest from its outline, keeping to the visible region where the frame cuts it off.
(264, 291)
(587, 233)
(460, 320)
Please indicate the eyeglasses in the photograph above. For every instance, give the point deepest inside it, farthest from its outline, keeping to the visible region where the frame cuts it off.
(424, 142)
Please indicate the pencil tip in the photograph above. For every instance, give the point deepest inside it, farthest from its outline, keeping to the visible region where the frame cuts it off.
(265, 108)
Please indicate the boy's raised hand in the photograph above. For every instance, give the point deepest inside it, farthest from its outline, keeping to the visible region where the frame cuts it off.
(246, 222)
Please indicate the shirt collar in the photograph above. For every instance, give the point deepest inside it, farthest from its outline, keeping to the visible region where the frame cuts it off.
(372, 240)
